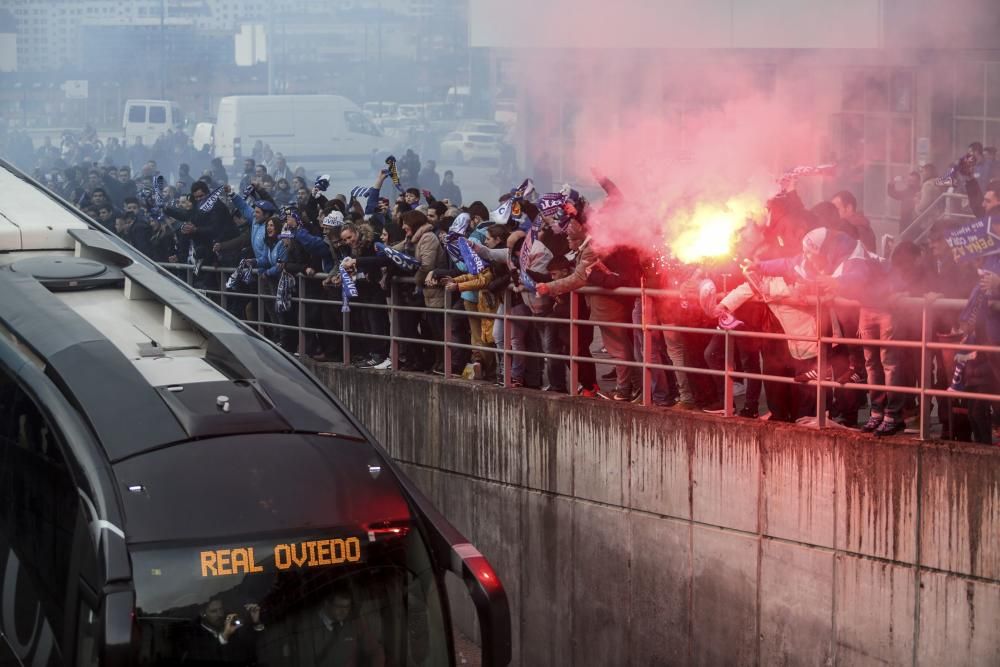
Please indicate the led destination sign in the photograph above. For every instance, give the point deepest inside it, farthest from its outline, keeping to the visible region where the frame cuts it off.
(285, 556)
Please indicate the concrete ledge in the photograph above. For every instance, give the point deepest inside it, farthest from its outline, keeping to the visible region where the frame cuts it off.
(632, 536)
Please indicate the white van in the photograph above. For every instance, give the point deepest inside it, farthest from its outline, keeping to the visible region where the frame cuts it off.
(150, 119)
(323, 131)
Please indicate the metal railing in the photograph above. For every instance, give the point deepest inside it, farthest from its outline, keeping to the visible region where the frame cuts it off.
(948, 204)
(930, 351)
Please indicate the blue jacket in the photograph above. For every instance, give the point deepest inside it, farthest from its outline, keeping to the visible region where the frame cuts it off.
(315, 246)
(371, 204)
(258, 230)
(267, 263)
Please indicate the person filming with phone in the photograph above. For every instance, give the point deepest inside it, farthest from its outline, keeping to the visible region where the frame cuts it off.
(220, 638)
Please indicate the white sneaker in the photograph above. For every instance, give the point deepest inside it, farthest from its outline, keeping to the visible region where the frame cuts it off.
(386, 365)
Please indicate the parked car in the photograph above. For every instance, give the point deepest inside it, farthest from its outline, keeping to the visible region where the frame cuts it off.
(462, 147)
(483, 127)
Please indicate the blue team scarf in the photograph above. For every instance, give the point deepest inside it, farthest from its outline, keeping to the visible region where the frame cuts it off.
(400, 259)
(361, 191)
(158, 183)
(348, 290)
(211, 200)
(156, 210)
(243, 274)
(456, 232)
(473, 262)
(451, 247)
(550, 204)
(284, 292)
(291, 211)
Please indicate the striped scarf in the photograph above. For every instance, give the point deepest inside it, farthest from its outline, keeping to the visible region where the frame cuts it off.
(241, 276)
(284, 293)
(348, 290)
(211, 200)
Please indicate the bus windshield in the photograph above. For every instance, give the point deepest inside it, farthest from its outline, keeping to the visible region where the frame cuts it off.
(328, 598)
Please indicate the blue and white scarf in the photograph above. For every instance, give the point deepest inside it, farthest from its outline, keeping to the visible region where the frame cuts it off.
(348, 290)
(401, 259)
(243, 275)
(360, 191)
(551, 203)
(211, 200)
(473, 262)
(512, 207)
(284, 293)
(156, 210)
(456, 232)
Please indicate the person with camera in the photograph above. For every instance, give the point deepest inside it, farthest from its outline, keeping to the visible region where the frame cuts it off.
(217, 637)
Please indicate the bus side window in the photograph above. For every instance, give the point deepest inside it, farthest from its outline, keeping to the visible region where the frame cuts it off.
(158, 114)
(39, 506)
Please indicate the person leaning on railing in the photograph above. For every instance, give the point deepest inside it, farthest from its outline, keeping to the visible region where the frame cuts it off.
(329, 250)
(605, 309)
(494, 250)
(525, 333)
(979, 322)
(832, 264)
(488, 300)
(432, 256)
(366, 266)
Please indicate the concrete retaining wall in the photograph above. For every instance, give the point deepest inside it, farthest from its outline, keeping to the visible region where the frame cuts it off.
(626, 536)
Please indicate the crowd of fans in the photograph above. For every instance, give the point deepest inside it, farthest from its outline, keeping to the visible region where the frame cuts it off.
(534, 248)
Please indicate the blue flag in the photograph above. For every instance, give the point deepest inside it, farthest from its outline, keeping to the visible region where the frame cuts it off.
(400, 259)
(973, 241)
(501, 215)
(348, 290)
(473, 262)
(451, 247)
(360, 191)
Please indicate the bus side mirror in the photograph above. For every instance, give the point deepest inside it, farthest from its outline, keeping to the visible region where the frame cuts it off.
(490, 600)
(118, 629)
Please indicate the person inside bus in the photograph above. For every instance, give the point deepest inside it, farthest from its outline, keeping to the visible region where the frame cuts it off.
(219, 638)
(338, 637)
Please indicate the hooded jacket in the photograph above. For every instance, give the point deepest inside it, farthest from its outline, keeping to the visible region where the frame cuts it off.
(859, 274)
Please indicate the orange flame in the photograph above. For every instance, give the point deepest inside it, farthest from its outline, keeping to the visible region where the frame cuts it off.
(710, 229)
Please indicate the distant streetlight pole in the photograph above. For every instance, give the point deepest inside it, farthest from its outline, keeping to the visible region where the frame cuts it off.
(269, 51)
(163, 50)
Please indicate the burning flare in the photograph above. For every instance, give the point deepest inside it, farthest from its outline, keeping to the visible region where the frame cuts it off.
(709, 229)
